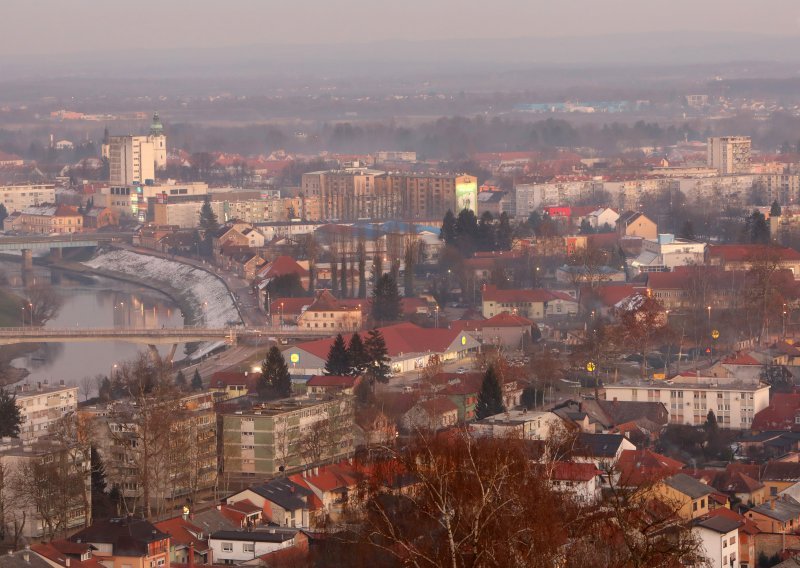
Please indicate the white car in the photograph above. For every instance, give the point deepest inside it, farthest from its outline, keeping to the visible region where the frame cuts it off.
(461, 370)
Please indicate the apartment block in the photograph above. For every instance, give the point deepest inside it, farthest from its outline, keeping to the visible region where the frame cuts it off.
(689, 398)
(19, 197)
(41, 405)
(361, 193)
(729, 154)
(286, 435)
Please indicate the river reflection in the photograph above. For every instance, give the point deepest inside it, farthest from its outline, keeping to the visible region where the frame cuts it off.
(93, 302)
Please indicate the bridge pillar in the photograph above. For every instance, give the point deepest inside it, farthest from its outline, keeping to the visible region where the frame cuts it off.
(27, 259)
(171, 355)
(56, 253)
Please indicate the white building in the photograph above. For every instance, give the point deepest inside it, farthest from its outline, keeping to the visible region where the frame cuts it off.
(234, 547)
(719, 537)
(523, 424)
(19, 197)
(729, 154)
(666, 252)
(531, 197)
(603, 216)
(135, 159)
(689, 399)
(42, 405)
(135, 200)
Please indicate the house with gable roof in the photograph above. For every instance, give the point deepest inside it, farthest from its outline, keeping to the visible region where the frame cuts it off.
(282, 501)
(505, 329)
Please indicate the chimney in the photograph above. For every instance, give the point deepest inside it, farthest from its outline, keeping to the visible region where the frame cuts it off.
(66, 562)
(219, 507)
(772, 504)
(191, 555)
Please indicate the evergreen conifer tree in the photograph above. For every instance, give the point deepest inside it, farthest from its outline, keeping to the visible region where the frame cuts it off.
(378, 354)
(274, 375)
(338, 362)
(490, 397)
(197, 381)
(448, 231)
(180, 380)
(357, 353)
(386, 300)
(10, 416)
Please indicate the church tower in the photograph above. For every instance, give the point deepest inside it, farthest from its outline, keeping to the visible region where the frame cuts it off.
(159, 141)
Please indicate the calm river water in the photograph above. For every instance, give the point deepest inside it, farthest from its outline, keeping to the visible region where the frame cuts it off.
(94, 302)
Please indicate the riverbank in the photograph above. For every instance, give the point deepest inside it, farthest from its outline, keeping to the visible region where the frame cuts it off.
(205, 296)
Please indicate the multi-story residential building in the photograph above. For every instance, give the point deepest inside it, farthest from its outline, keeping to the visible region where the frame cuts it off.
(42, 405)
(285, 435)
(136, 200)
(47, 488)
(729, 154)
(530, 197)
(360, 193)
(719, 540)
(178, 466)
(689, 398)
(135, 159)
(782, 187)
(46, 219)
(21, 196)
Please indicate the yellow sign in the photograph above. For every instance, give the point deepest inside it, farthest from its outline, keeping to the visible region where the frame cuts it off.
(186, 509)
(715, 334)
(463, 340)
(590, 367)
(659, 376)
(294, 357)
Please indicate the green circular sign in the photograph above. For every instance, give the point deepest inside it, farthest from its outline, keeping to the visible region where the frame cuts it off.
(294, 357)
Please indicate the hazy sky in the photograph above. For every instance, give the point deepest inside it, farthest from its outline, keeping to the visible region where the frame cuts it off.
(59, 26)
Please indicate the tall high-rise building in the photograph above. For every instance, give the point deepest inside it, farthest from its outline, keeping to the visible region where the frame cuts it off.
(729, 154)
(135, 159)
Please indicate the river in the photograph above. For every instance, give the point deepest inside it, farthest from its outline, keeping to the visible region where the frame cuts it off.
(92, 302)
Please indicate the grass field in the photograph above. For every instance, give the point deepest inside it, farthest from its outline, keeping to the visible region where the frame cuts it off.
(10, 314)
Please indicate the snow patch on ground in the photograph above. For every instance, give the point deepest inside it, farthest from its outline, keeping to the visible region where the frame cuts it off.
(209, 297)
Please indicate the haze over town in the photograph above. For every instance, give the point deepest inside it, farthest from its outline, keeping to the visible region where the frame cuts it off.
(423, 284)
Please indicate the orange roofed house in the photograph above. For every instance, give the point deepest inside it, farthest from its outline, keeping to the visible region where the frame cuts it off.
(742, 257)
(126, 542)
(533, 304)
(47, 219)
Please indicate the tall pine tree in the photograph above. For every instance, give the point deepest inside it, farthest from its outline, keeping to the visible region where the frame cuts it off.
(357, 354)
(10, 415)
(378, 354)
(338, 362)
(386, 300)
(448, 231)
(504, 232)
(275, 375)
(197, 381)
(490, 398)
(362, 271)
(180, 380)
(208, 226)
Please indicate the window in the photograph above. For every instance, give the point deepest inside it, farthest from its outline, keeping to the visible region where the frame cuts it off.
(248, 547)
(227, 547)
(694, 506)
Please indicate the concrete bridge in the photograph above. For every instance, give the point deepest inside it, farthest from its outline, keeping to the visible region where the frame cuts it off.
(55, 243)
(152, 337)
(162, 336)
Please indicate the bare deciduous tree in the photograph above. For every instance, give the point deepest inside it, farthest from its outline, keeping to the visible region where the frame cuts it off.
(42, 303)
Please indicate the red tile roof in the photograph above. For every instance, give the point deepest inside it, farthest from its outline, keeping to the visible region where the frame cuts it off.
(291, 306)
(640, 466)
(740, 358)
(400, 338)
(492, 294)
(572, 471)
(609, 295)
(180, 532)
(780, 414)
(281, 266)
(745, 253)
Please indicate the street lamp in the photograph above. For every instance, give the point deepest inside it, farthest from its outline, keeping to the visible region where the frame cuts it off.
(709, 315)
(113, 368)
(281, 314)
